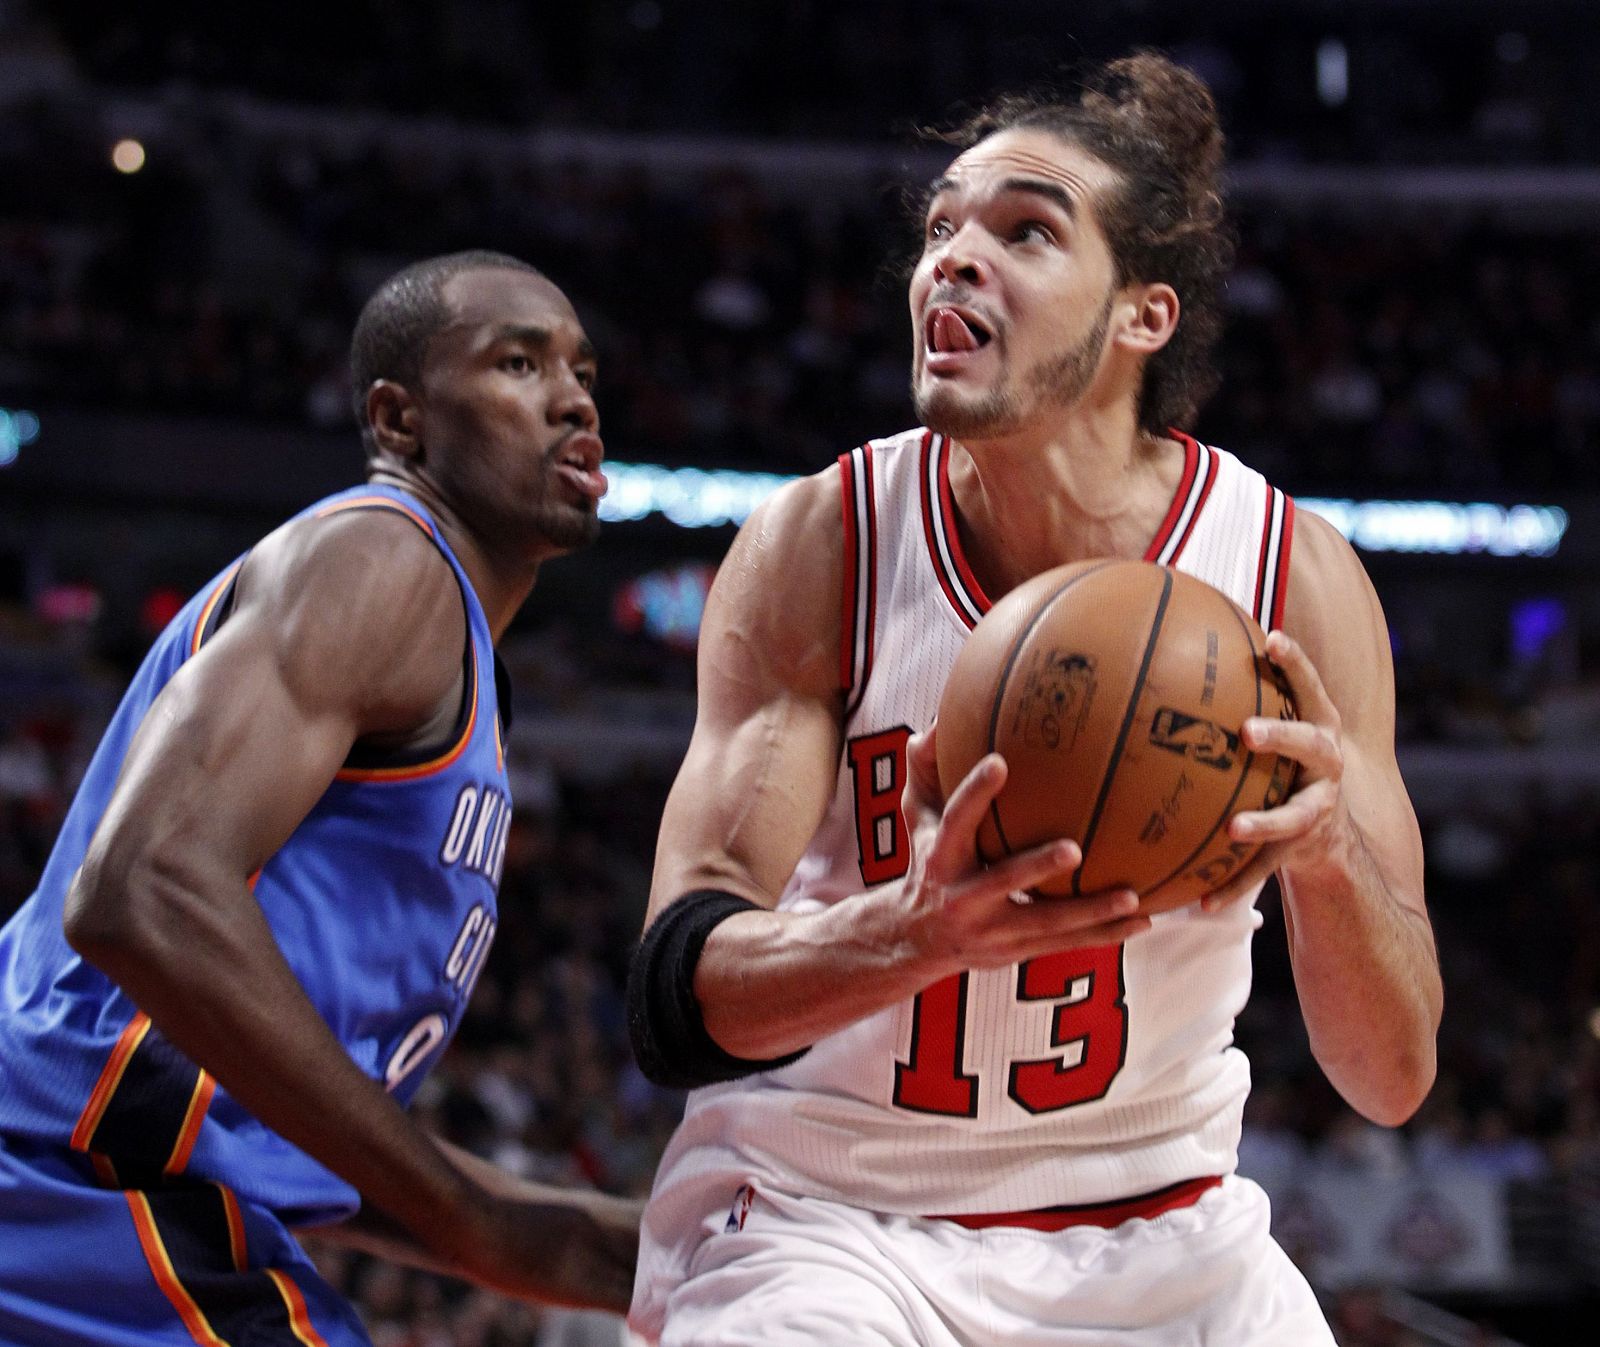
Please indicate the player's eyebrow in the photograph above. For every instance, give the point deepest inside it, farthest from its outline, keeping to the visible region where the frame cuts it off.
(540, 338)
(1053, 192)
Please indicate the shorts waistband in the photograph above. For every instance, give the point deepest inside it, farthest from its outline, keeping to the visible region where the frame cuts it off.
(1104, 1215)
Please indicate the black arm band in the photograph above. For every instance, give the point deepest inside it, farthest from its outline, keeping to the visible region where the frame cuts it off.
(664, 1021)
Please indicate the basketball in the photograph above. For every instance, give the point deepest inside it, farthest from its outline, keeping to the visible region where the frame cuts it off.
(1116, 692)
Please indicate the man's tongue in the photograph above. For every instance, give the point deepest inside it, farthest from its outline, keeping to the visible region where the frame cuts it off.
(950, 332)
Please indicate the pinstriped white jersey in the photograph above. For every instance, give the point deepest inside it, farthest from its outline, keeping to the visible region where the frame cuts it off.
(1086, 1077)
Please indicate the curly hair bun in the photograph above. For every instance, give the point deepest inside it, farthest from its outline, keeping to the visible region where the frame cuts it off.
(1149, 96)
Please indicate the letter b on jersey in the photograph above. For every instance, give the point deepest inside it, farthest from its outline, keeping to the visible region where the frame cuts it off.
(878, 768)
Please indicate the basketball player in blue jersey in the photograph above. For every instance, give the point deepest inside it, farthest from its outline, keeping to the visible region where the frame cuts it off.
(271, 898)
(921, 1112)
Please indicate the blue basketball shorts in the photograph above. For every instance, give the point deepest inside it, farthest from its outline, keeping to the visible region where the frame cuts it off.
(128, 1267)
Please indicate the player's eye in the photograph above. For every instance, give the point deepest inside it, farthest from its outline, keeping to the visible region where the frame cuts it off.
(586, 379)
(938, 230)
(516, 363)
(1032, 231)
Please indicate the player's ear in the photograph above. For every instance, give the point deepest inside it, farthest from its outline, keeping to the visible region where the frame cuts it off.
(1152, 320)
(395, 419)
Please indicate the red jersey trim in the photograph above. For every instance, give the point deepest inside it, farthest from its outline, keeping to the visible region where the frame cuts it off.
(1105, 1216)
(950, 565)
(1213, 462)
(849, 615)
(860, 594)
(1284, 549)
(1272, 561)
(1180, 514)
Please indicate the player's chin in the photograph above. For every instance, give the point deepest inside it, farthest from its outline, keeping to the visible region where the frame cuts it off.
(580, 528)
(963, 413)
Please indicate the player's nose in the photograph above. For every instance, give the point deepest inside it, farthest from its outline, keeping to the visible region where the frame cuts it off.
(572, 404)
(961, 260)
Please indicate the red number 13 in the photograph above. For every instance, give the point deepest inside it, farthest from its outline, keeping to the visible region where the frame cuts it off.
(1090, 1016)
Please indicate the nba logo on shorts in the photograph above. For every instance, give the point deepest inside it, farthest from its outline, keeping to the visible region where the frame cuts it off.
(740, 1209)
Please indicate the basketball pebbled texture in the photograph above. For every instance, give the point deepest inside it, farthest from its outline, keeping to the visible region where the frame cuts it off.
(1116, 692)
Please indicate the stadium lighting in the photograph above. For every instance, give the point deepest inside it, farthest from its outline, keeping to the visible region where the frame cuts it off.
(1333, 72)
(127, 156)
(16, 429)
(711, 498)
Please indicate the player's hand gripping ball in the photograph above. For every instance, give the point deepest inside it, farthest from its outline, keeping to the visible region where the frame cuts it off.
(1116, 692)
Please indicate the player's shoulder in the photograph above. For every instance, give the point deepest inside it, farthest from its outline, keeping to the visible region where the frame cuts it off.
(358, 561)
(812, 510)
(1331, 607)
(368, 593)
(1324, 560)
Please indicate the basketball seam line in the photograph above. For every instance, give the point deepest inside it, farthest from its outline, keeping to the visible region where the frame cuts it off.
(1244, 772)
(1005, 680)
(1122, 734)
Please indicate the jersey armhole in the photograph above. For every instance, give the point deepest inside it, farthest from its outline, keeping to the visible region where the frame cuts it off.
(858, 600)
(366, 762)
(1272, 566)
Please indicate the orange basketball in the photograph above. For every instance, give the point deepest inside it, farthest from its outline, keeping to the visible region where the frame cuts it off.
(1116, 691)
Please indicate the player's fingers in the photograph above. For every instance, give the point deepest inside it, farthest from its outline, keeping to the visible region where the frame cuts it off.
(954, 845)
(1262, 864)
(1053, 938)
(1045, 917)
(1298, 815)
(1051, 863)
(1315, 747)
(922, 793)
(1310, 697)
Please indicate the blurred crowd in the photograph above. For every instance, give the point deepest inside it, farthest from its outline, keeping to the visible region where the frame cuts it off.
(744, 325)
(1372, 82)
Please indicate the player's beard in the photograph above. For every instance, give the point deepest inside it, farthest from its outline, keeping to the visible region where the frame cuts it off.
(1053, 384)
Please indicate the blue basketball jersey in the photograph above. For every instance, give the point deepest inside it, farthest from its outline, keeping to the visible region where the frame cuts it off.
(382, 901)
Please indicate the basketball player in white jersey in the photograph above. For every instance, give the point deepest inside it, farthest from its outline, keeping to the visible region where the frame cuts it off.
(927, 1112)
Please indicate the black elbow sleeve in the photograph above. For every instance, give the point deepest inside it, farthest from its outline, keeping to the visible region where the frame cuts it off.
(665, 1025)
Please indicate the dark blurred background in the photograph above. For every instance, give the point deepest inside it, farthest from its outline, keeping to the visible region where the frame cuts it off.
(195, 199)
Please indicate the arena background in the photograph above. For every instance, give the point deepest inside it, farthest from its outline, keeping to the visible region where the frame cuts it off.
(194, 199)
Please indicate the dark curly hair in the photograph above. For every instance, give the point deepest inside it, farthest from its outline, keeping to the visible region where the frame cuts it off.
(401, 317)
(1155, 123)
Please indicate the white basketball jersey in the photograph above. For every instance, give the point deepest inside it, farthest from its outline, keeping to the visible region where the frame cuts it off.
(1086, 1077)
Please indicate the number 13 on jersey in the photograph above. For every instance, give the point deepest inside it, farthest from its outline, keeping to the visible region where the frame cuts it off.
(1089, 1021)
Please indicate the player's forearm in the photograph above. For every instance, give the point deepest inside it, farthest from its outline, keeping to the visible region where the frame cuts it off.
(1367, 974)
(582, 1244)
(202, 962)
(771, 983)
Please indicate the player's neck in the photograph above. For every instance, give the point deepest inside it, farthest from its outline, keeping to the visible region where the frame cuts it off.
(1092, 487)
(502, 583)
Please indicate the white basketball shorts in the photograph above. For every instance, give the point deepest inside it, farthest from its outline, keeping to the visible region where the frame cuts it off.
(793, 1270)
